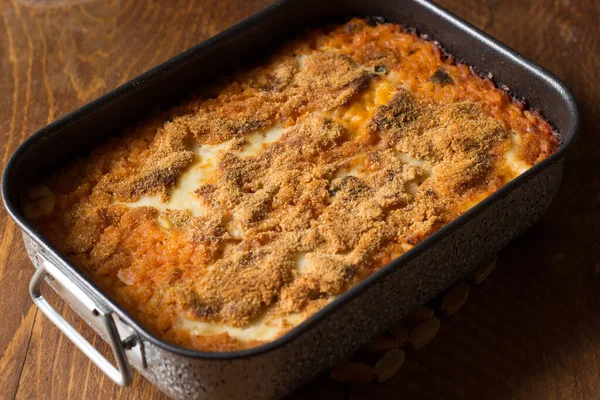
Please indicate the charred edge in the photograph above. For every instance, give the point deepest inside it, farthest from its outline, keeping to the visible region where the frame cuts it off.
(441, 77)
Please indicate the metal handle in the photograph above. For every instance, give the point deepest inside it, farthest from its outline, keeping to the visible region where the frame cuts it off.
(121, 375)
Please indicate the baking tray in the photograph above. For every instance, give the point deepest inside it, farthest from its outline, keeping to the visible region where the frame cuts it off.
(276, 368)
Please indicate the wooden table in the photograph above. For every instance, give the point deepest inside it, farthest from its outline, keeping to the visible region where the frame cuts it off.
(532, 331)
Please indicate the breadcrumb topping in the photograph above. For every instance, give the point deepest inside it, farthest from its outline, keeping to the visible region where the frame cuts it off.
(383, 141)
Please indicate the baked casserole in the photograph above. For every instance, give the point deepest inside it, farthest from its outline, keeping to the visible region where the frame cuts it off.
(225, 221)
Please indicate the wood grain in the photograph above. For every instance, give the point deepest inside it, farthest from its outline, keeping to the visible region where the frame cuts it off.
(532, 330)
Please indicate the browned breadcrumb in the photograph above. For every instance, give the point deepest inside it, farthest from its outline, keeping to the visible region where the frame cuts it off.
(381, 147)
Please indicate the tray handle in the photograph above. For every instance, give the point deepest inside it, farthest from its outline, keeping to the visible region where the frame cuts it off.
(121, 374)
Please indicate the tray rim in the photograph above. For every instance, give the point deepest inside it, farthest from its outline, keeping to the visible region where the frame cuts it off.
(97, 104)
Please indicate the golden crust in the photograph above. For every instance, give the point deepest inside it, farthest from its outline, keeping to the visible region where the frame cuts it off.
(385, 141)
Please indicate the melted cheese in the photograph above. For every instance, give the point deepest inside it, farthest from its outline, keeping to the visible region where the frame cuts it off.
(408, 159)
(301, 262)
(262, 329)
(517, 165)
(202, 171)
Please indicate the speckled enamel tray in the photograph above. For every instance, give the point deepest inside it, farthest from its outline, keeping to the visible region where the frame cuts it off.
(274, 369)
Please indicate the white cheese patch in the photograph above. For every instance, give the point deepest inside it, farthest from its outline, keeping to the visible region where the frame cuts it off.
(301, 58)
(262, 329)
(412, 188)
(235, 230)
(301, 261)
(182, 197)
(517, 165)
(406, 158)
(202, 170)
(394, 78)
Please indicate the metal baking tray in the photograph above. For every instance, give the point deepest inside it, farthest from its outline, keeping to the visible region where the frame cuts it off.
(276, 368)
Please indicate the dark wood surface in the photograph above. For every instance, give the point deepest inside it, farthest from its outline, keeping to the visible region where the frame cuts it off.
(531, 331)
